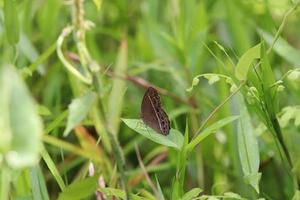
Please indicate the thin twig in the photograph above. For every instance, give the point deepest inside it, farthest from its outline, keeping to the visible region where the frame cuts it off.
(158, 159)
(145, 171)
(145, 84)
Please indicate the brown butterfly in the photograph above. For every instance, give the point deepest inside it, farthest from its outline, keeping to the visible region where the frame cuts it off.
(152, 113)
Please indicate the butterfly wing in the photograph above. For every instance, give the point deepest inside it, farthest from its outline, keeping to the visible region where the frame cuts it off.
(151, 110)
(165, 123)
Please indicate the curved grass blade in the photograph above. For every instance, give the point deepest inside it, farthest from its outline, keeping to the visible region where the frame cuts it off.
(209, 130)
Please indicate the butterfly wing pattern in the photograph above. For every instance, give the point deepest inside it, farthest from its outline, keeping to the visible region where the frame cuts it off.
(152, 113)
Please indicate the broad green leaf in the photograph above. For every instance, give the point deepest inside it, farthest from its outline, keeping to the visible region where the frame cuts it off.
(283, 48)
(11, 21)
(118, 193)
(80, 189)
(210, 130)
(193, 193)
(117, 93)
(232, 195)
(78, 110)
(21, 126)
(243, 65)
(174, 139)
(248, 148)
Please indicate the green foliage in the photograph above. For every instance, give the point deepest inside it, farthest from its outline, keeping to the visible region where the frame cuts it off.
(174, 139)
(21, 127)
(228, 77)
(78, 110)
(11, 21)
(248, 148)
(80, 189)
(209, 130)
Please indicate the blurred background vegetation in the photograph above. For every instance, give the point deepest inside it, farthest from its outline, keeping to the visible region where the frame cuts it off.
(71, 70)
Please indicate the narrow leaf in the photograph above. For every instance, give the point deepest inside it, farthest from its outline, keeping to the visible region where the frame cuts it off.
(78, 110)
(116, 97)
(52, 167)
(39, 188)
(210, 130)
(161, 195)
(248, 148)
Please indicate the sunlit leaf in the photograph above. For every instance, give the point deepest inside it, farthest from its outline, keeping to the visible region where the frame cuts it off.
(119, 193)
(43, 110)
(174, 139)
(296, 195)
(39, 188)
(21, 126)
(294, 75)
(80, 189)
(193, 193)
(212, 78)
(243, 65)
(248, 148)
(232, 195)
(78, 110)
(98, 3)
(117, 93)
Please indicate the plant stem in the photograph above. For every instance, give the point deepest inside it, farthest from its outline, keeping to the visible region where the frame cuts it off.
(217, 109)
(85, 58)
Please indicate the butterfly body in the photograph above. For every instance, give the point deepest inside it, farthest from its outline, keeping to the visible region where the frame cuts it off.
(153, 114)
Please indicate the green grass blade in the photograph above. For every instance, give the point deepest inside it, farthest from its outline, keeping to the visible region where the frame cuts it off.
(210, 130)
(11, 21)
(80, 189)
(116, 97)
(52, 167)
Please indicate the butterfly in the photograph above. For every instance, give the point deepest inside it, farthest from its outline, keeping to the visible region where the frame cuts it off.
(152, 113)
